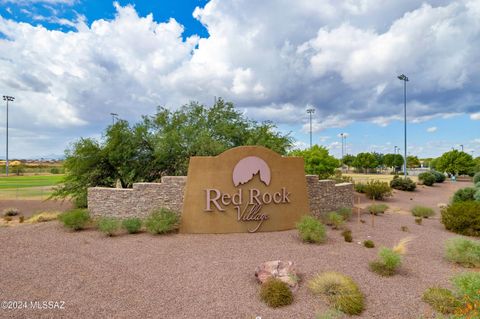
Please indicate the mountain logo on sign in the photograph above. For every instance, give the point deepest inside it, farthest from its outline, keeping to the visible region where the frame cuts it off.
(248, 167)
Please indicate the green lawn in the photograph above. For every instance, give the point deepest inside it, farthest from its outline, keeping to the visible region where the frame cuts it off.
(29, 181)
(28, 187)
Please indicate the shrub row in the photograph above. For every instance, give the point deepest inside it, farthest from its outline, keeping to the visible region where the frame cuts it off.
(158, 222)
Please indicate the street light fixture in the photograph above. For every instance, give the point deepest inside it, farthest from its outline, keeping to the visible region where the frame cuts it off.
(310, 111)
(461, 145)
(404, 78)
(114, 116)
(7, 99)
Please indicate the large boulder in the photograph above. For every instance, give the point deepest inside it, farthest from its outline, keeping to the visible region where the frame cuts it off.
(283, 270)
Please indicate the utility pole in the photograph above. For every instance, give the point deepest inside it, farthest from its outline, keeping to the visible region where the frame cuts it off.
(310, 111)
(7, 99)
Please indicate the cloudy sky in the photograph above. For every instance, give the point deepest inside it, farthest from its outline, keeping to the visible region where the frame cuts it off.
(70, 63)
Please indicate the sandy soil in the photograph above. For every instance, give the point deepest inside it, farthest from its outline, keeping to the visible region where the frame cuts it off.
(212, 276)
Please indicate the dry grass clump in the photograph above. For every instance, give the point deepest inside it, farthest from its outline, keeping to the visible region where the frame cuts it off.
(341, 292)
(401, 247)
(11, 211)
(311, 230)
(389, 260)
(463, 251)
(441, 299)
(275, 293)
(43, 217)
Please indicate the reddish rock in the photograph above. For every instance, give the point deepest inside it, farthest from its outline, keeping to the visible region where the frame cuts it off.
(283, 270)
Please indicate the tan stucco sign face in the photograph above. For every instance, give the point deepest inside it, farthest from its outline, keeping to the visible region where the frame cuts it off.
(244, 189)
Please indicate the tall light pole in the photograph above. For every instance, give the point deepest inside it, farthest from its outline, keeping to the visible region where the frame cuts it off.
(345, 138)
(310, 111)
(341, 136)
(114, 115)
(461, 145)
(395, 149)
(7, 99)
(404, 78)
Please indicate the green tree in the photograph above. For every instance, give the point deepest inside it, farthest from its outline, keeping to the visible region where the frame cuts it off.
(413, 161)
(317, 161)
(349, 159)
(365, 161)
(161, 145)
(433, 163)
(379, 159)
(455, 163)
(86, 165)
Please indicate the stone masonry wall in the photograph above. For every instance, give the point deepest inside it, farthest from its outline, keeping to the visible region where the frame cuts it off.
(326, 196)
(140, 200)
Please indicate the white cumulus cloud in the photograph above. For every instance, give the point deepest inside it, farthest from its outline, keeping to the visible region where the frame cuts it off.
(271, 58)
(432, 129)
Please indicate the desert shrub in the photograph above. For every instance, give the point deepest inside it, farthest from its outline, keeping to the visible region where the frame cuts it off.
(7, 218)
(162, 221)
(476, 196)
(376, 189)
(476, 178)
(347, 235)
(311, 230)
(441, 299)
(464, 195)
(329, 314)
(422, 211)
(426, 178)
(360, 187)
(132, 225)
(341, 292)
(335, 220)
(369, 243)
(10, 211)
(75, 219)
(462, 218)
(468, 284)
(338, 177)
(439, 177)
(345, 212)
(404, 228)
(43, 217)
(463, 251)
(387, 263)
(418, 220)
(21, 219)
(403, 184)
(376, 209)
(108, 225)
(275, 293)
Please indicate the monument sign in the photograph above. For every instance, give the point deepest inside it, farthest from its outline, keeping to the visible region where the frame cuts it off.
(244, 189)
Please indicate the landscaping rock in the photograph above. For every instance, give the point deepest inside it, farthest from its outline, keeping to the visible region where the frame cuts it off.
(283, 270)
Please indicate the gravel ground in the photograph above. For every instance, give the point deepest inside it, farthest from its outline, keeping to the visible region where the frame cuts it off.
(212, 276)
(29, 207)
